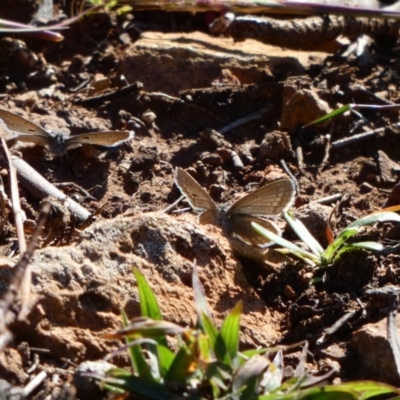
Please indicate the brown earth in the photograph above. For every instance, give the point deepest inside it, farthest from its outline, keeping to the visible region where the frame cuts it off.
(192, 84)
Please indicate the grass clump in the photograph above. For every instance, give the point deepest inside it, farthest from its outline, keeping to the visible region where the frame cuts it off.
(205, 361)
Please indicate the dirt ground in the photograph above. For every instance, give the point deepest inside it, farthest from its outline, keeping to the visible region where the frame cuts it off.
(192, 87)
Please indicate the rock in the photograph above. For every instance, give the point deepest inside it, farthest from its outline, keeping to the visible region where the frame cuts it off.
(303, 107)
(83, 287)
(372, 354)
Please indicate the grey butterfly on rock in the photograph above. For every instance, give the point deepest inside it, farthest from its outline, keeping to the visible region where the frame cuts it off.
(235, 220)
(20, 129)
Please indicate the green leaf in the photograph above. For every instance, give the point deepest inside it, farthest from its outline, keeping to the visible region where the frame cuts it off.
(339, 241)
(285, 243)
(374, 218)
(248, 376)
(136, 355)
(138, 386)
(199, 297)
(304, 234)
(149, 306)
(272, 377)
(209, 329)
(182, 366)
(369, 389)
(148, 302)
(165, 358)
(333, 114)
(230, 331)
(367, 246)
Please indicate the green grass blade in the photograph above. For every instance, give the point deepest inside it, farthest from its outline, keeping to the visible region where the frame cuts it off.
(210, 330)
(333, 114)
(230, 331)
(137, 386)
(285, 243)
(136, 355)
(304, 234)
(248, 376)
(182, 366)
(148, 302)
(374, 218)
(165, 358)
(334, 247)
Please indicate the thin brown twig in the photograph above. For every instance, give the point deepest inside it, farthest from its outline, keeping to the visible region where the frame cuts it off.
(41, 188)
(8, 313)
(245, 120)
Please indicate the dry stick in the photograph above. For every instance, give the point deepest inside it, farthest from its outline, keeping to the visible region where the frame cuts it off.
(41, 188)
(30, 387)
(175, 203)
(248, 118)
(373, 95)
(26, 295)
(356, 138)
(299, 154)
(191, 105)
(289, 172)
(328, 199)
(126, 90)
(338, 324)
(18, 213)
(306, 33)
(7, 311)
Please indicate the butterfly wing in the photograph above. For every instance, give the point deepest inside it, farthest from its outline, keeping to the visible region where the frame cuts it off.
(106, 139)
(196, 195)
(271, 199)
(240, 227)
(23, 129)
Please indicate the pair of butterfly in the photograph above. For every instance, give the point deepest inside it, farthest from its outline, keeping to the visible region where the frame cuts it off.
(235, 220)
(15, 127)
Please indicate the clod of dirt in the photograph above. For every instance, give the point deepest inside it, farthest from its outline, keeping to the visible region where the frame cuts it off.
(315, 217)
(303, 107)
(388, 168)
(371, 354)
(87, 387)
(172, 60)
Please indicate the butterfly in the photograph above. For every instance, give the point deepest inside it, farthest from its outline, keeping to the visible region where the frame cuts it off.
(235, 220)
(18, 128)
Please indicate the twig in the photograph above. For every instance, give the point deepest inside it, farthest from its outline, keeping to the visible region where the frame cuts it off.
(169, 208)
(356, 138)
(8, 313)
(327, 140)
(90, 101)
(244, 120)
(327, 199)
(18, 213)
(338, 324)
(299, 154)
(30, 387)
(178, 100)
(26, 295)
(41, 188)
(289, 172)
(373, 95)
(306, 33)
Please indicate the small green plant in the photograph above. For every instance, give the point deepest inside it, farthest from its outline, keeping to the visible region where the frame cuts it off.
(109, 5)
(207, 363)
(317, 256)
